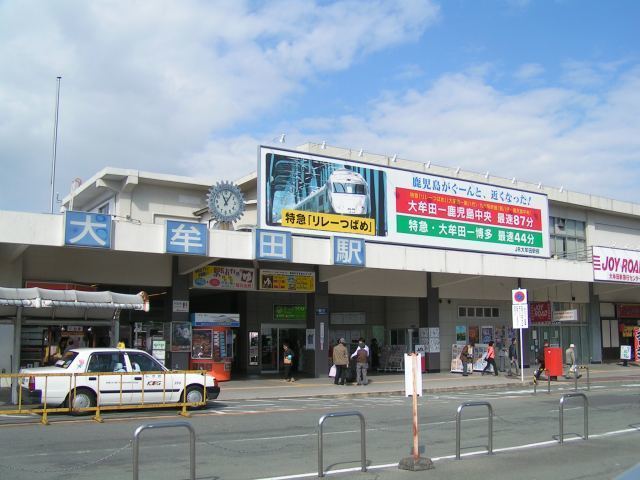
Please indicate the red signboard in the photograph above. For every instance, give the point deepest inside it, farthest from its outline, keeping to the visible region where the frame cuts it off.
(429, 204)
(540, 312)
(629, 311)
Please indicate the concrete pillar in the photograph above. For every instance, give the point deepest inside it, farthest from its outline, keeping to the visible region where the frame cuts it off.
(17, 343)
(179, 291)
(429, 316)
(594, 327)
(319, 302)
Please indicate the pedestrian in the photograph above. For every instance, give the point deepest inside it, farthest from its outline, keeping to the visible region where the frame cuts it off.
(287, 360)
(341, 361)
(570, 362)
(465, 358)
(491, 359)
(362, 362)
(541, 366)
(513, 357)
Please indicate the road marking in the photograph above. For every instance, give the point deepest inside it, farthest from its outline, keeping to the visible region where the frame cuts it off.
(451, 457)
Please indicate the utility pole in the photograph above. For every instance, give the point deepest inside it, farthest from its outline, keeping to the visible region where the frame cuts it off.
(55, 144)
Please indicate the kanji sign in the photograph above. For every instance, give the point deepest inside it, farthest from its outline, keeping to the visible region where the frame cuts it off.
(86, 229)
(520, 313)
(348, 251)
(273, 245)
(186, 237)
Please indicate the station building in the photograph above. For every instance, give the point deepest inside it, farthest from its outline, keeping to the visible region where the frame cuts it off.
(419, 257)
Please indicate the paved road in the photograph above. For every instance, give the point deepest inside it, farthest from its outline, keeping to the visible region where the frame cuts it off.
(276, 438)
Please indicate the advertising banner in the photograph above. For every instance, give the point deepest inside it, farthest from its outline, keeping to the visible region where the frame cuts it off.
(287, 281)
(215, 319)
(227, 278)
(636, 343)
(312, 194)
(616, 265)
(540, 312)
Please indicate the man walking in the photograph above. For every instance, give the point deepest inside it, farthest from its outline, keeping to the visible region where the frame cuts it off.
(513, 357)
(570, 361)
(362, 362)
(341, 361)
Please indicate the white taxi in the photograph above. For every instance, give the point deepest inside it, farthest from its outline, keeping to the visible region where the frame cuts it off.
(126, 377)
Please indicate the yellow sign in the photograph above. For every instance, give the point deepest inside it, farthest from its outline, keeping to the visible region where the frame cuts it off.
(287, 281)
(328, 222)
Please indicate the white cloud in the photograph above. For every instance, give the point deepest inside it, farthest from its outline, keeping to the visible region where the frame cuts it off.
(148, 84)
(585, 141)
(529, 71)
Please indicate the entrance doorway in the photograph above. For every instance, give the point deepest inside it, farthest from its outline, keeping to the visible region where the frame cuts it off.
(560, 336)
(271, 339)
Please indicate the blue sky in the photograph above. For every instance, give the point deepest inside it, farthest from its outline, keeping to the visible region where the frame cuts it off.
(547, 91)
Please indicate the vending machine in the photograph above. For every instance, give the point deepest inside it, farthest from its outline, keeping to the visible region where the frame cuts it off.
(212, 343)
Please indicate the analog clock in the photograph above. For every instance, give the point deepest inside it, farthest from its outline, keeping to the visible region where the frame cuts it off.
(226, 203)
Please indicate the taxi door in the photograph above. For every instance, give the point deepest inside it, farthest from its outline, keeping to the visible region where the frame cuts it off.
(149, 380)
(114, 388)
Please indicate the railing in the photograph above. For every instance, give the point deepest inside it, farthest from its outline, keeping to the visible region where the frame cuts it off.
(458, 421)
(535, 384)
(586, 415)
(61, 395)
(363, 447)
(192, 445)
(575, 376)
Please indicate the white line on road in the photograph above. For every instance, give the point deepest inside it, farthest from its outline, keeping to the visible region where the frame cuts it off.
(451, 457)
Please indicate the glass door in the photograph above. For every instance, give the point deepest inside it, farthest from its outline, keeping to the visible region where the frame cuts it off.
(269, 343)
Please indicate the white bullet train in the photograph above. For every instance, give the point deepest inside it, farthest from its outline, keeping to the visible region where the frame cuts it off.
(345, 193)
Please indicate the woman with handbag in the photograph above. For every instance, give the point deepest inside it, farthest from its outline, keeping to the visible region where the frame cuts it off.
(287, 361)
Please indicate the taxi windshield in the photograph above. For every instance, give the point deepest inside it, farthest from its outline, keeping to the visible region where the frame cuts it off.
(66, 359)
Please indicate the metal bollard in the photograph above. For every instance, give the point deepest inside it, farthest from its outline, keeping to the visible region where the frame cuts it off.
(586, 415)
(192, 445)
(363, 448)
(458, 421)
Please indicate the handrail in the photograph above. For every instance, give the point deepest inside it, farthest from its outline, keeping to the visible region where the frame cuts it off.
(586, 415)
(458, 421)
(363, 447)
(192, 445)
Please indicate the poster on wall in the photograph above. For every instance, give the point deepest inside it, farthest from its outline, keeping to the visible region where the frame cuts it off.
(202, 343)
(461, 334)
(474, 334)
(486, 334)
(180, 336)
(456, 363)
(397, 206)
(224, 278)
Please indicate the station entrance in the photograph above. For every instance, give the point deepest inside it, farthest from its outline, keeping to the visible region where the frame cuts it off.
(272, 336)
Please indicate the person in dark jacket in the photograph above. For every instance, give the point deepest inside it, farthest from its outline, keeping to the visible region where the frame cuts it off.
(513, 357)
(541, 366)
(362, 362)
(341, 361)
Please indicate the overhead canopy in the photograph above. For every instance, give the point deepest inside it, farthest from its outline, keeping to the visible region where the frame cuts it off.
(41, 302)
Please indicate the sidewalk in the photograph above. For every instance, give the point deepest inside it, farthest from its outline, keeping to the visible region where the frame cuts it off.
(265, 387)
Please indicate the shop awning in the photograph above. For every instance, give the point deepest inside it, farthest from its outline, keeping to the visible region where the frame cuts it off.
(75, 302)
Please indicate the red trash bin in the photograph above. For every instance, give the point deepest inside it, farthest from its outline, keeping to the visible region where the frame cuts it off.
(553, 361)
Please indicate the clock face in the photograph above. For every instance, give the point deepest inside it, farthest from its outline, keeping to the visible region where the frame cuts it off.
(225, 202)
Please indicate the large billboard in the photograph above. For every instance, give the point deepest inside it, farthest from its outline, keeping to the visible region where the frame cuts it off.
(616, 265)
(316, 195)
